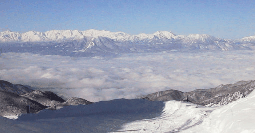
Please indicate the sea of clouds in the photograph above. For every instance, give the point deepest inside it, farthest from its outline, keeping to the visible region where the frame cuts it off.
(129, 75)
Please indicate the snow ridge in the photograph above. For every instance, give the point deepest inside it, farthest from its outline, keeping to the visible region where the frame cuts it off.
(57, 35)
(95, 42)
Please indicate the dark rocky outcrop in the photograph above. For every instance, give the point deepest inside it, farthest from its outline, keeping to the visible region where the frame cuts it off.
(14, 88)
(220, 95)
(46, 98)
(13, 104)
(15, 99)
(76, 101)
(165, 95)
(70, 102)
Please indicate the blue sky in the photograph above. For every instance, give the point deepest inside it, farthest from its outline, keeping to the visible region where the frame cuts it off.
(221, 18)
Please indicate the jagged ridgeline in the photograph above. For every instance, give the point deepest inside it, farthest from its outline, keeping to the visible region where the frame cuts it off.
(15, 98)
(18, 99)
(218, 96)
(94, 42)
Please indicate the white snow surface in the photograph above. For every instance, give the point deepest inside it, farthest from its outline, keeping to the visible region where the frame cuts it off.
(11, 116)
(236, 117)
(140, 116)
(249, 39)
(176, 116)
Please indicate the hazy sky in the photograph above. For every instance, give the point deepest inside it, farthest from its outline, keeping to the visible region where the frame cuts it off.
(220, 18)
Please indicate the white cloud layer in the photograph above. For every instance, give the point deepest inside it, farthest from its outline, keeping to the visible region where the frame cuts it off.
(127, 76)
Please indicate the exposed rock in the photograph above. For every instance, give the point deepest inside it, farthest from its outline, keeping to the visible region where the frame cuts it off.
(14, 100)
(13, 104)
(17, 89)
(166, 95)
(70, 101)
(46, 98)
(220, 95)
(76, 101)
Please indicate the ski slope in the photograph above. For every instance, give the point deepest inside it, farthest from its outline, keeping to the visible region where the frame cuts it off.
(139, 116)
(176, 116)
(236, 117)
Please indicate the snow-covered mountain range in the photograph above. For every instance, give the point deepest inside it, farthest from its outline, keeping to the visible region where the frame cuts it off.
(95, 42)
(63, 35)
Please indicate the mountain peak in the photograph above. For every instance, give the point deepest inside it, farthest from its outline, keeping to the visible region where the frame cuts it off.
(200, 37)
(7, 32)
(249, 39)
(164, 34)
(103, 33)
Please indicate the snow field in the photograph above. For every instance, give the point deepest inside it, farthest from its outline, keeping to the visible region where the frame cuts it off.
(176, 116)
(236, 117)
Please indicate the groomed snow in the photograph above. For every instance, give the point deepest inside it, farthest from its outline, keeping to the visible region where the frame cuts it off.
(176, 116)
(236, 117)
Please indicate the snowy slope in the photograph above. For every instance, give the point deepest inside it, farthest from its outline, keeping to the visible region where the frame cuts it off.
(14, 99)
(14, 88)
(235, 117)
(176, 117)
(140, 116)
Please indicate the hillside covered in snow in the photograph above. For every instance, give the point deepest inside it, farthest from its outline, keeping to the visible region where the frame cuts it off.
(15, 100)
(137, 115)
(95, 42)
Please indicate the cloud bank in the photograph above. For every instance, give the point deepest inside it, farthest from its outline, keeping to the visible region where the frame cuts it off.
(127, 76)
